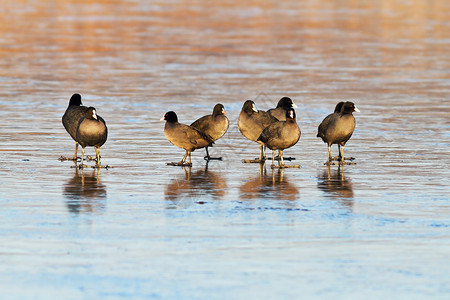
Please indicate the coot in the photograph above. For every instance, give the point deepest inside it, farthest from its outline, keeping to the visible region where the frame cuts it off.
(74, 112)
(214, 125)
(184, 136)
(280, 111)
(252, 122)
(281, 135)
(91, 131)
(337, 128)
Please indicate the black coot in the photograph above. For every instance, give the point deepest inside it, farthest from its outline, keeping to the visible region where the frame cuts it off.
(214, 125)
(337, 128)
(280, 111)
(74, 112)
(281, 135)
(91, 131)
(184, 136)
(252, 122)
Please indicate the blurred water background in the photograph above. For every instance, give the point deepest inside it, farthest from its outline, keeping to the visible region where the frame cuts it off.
(225, 230)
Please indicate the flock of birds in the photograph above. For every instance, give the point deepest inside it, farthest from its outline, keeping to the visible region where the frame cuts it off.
(276, 129)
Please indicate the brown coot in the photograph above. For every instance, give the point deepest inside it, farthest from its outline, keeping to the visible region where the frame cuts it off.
(337, 128)
(184, 136)
(281, 135)
(280, 111)
(91, 131)
(74, 112)
(214, 125)
(328, 118)
(252, 122)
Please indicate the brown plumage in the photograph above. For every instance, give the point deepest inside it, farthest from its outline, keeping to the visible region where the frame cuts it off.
(337, 128)
(91, 131)
(324, 124)
(281, 135)
(252, 122)
(280, 111)
(214, 125)
(74, 112)
(184, 136)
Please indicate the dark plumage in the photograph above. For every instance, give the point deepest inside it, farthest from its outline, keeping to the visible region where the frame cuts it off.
(324, 124)
(214, 125)
(281, 135)
(280, 111)
(91, 131)
(74, 112)
(337, 128)
(338, 107)
(252, 122)
(184, 136)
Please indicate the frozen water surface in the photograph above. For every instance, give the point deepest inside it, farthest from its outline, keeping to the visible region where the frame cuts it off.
(379, 229)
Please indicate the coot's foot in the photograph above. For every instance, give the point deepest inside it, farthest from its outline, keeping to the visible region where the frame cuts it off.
(212, 158)
(338, 158)
(284, 158)
(63, 158)
(254, 161)
(83, 166)
(330, 163)
(90, 158)
(180, 164)
(285, 166)
(101, 167)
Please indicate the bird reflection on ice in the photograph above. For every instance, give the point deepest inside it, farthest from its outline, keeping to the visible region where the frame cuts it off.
(268, 186)
(84, 193)
(336, 184)
(195, 187)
